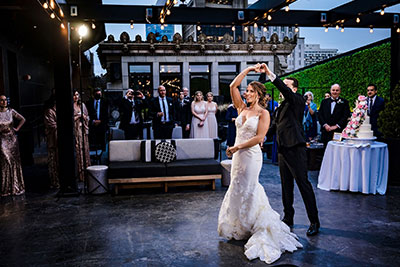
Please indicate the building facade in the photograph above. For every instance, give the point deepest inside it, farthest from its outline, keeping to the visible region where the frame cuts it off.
(198, 65)
(313, 53)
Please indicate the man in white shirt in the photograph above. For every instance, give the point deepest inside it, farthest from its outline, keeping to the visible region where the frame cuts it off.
(162, 112)
(131, 114)
(375, 105)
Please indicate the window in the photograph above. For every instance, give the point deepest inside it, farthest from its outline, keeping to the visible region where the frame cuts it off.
(200, 79)
(252, 76)
(226, 74)
(171, 78)
(141, 77)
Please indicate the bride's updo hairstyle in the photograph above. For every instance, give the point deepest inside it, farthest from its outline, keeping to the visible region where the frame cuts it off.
(260, 89)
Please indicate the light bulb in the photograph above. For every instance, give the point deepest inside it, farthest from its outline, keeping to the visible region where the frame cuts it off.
(326, 29)
(358, 20)
(269, 17)
(337, 27)
(371, 30)
(255, 25)
(93, 26)
(175, 2)
(131, 25)
(198, 28)
(168, 12)
(82, 30)
(398, 30)
(246, 29)
(342, 30)
(162, 26)
(383, 11)
(45, 5)
(52, 15)
(296, 29)
(287, 8)
(162, 20)
(52, 4)
(62, 26)
(233, 28)
(265, 28)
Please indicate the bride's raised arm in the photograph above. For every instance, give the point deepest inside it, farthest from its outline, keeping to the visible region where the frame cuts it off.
(235, 94)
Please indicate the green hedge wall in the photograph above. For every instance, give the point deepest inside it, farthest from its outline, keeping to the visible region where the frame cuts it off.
(353, 73)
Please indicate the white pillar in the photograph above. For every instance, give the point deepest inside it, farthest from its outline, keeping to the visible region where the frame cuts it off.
(125, 74)
(186, 76)
(156, 77)
(214, 78)
(243, 85)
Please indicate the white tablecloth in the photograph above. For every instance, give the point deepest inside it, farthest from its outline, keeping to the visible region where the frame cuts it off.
(346, 167)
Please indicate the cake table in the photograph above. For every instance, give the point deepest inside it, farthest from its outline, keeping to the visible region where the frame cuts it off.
(356, 167)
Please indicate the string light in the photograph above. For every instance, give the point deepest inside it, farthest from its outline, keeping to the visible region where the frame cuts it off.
(246, 29)
(358, 20)
(255, 25)
(342, 30)
(61, 13)
(52, 15)
(326, 29)
(198, 27)
(62, 26)
(296, 29)
(287, 8)
(162, 26)
(45, 5)
(371, 30)
(52, 4)
(383, 11)
(131, 25)
(175, 2)
(233, 28)
(162, 20)
(398, 30)
(168, 12)
(93, 26)
(265, 28)
(269, 17)
(337, 27)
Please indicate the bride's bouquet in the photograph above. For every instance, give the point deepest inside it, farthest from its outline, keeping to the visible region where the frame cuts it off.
(357, 118)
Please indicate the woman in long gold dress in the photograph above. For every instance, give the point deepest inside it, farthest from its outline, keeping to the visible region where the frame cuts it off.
(12, 180)
(81, 137)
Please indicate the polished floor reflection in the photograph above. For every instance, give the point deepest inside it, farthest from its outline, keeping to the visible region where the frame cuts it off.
(151, 228)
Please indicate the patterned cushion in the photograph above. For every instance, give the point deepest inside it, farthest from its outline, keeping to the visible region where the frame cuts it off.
(165, 152)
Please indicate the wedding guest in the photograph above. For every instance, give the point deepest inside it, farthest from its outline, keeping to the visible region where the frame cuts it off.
(231, 115)
(81, 132)
(199, 126)
(182, 114)
(50, 124)
(211, 118)
(98, 114)
(131, 114)
(310, 116)
(186, 94)
(375, 105)
(162, 112)
(272, 104)
(333, 114)
(327, 95)
(12, 181)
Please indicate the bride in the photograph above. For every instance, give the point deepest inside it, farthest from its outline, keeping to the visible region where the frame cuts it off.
(245, 212)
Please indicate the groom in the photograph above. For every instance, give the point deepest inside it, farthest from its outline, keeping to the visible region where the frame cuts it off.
(292, 155)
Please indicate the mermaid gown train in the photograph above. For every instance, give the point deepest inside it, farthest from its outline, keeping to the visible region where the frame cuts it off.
(245, 212)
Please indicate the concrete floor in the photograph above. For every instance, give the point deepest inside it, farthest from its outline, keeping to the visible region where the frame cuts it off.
(179, 228)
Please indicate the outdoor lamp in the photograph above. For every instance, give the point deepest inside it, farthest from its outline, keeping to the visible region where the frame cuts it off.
(83, 30)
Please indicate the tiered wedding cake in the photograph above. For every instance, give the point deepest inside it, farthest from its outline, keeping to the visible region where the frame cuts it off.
(359, 126)
(365, 129)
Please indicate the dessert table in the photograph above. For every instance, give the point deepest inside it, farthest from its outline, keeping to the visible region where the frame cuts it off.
(355, 167)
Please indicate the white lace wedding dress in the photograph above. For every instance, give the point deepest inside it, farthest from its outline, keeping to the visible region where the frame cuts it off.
(245, 212)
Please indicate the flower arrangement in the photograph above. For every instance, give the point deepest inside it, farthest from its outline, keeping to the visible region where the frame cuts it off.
(357, 118)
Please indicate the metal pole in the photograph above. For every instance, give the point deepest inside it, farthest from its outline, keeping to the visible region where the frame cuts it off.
(83, 151)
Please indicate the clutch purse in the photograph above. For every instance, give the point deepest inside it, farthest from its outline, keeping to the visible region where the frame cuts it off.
(200, 125)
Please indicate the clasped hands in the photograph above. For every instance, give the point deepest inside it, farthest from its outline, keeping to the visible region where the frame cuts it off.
(330, 128)
(261, 68)
(231, 150)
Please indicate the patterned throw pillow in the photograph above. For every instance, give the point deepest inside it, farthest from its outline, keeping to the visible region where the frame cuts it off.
(165, 152)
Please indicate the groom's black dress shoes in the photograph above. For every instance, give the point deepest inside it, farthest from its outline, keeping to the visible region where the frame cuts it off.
(288, 222)
(313, 229)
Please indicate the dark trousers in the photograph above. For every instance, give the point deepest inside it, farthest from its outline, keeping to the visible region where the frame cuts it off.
(293, 166)
(133, 131)
(97, 137)
(163, 130)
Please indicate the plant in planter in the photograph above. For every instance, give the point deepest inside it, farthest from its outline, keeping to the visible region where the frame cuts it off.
(389, 124)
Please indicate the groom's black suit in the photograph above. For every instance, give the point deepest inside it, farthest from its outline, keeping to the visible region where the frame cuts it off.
(292, 155)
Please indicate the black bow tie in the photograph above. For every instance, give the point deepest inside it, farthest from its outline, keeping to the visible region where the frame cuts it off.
(335, 100)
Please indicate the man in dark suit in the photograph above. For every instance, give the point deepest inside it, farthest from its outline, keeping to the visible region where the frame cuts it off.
(292, 157)
(182, 114)
(98, 114)
(333, 114)
(375, 105)
(131, 114)
(162, 112)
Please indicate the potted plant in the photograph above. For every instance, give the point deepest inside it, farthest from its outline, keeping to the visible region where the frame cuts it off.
(389, 124)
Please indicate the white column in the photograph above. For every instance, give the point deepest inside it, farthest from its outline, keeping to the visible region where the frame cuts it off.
(156, 77)
(243, 85)
(186, 75)
(214, 78)
(125, 74)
